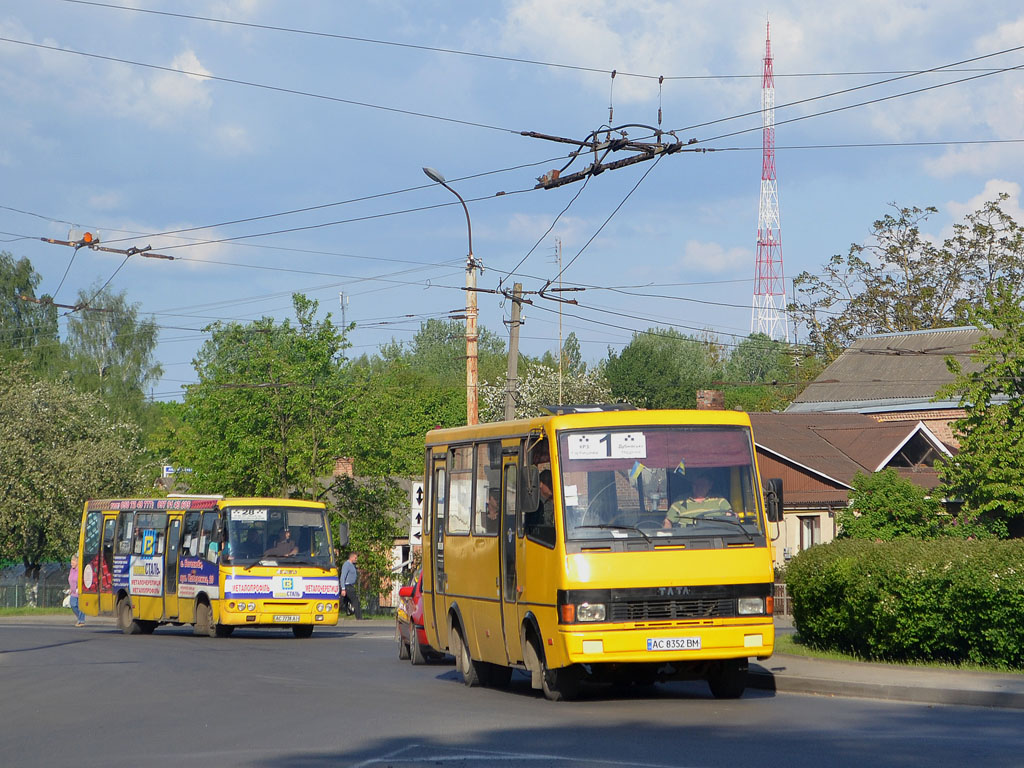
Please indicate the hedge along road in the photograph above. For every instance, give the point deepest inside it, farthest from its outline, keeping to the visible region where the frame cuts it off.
(94, 697)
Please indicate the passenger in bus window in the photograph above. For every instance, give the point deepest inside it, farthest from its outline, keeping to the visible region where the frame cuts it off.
(545, 512)
(252, 546)
(701, 501)
(493, 514)
(284, 547)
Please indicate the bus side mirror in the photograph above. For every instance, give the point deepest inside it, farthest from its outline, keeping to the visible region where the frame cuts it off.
(530, 488)
(773, 499)
(342, 535)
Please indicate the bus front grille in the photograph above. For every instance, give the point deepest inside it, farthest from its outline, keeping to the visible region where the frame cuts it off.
(661, 610)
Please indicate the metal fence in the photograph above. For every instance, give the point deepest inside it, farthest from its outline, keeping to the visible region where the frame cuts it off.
(47, 591)
(783, 602)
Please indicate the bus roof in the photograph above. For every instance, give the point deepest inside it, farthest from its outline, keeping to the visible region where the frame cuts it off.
(582, 420)
(189, 503)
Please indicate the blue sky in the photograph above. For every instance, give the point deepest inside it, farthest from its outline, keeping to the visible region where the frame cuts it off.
(315, 119)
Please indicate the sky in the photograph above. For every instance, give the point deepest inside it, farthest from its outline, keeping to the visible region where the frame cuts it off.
(274, 147)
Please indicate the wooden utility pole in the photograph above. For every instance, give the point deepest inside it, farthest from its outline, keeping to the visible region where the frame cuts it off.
(512, 376)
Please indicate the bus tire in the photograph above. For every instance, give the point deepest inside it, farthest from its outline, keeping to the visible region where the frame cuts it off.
(562, 684)
(728, 679)
(416, 654)
(125, 619)
(463, 661)
(223, 630)
(204, 621)
(302, 630)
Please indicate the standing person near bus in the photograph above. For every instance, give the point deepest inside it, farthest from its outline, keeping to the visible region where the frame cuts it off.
(349, 586)
(73, 586)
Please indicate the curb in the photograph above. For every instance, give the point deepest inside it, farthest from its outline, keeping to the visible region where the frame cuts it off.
(765, 680)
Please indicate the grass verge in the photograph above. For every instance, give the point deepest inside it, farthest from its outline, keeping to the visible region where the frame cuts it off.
(27, 610)
(791, 644)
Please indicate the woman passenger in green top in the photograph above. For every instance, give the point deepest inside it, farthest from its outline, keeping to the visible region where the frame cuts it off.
(701, 502)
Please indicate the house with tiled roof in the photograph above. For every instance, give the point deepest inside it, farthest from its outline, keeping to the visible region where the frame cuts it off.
(817, 456)
(893, 377)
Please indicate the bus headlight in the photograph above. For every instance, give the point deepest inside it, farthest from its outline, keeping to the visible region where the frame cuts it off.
(590, 612)
(250, 606)
(750, 606)
(319, 607)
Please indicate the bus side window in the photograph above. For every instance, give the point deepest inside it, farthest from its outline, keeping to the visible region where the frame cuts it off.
(190, 545)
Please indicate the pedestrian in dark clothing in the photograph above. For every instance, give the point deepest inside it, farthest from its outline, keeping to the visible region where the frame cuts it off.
(350, 586)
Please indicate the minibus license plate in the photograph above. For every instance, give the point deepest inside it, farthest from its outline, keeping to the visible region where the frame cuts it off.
(673, 643)
(285, 617)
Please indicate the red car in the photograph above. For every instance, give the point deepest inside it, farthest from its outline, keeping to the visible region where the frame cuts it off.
(412, 639)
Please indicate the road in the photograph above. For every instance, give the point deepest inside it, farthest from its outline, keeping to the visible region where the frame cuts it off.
(93, 697)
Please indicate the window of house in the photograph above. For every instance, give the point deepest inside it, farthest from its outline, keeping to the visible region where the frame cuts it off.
(810, 531)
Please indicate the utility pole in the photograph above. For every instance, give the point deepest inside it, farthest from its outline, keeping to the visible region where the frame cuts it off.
(512, 376)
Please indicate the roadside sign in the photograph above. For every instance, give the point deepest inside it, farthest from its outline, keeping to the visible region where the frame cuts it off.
(416, 515)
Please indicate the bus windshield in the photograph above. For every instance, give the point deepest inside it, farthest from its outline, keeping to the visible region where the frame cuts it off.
(294, 535)
(660, 483)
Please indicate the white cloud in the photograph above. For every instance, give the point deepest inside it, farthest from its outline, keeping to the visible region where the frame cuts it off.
(710, 257)
(993, 187)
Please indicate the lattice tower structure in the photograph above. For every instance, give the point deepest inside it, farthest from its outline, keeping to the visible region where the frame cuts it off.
(769, 307)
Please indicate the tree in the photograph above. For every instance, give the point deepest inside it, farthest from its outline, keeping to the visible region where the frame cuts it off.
(60, 447)
(262, 420)
(885, 506)
(988, 471)
(572, 357)
(763, 374)
(902, 281)
(28, 330)
(439, 350)
(112, 349)
(539, 386)
(663, 368)
(370, 508)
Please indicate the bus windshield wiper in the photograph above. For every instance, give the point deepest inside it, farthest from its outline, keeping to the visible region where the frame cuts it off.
(730, 522)
(610, 527)
(254, 563)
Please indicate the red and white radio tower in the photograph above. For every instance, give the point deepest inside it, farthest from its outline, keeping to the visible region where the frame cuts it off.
(769, 314)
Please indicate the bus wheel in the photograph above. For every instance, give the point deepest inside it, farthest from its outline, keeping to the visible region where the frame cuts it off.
(223, 630)
(125, 620)
(302, 630)
(463, 661)
(561, 684)
(204, 621)
(729, 679)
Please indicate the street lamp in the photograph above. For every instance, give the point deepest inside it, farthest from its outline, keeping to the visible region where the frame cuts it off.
(471, 334)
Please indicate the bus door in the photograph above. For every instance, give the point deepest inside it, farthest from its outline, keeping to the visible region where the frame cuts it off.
(171, 568)
(105, 570)
(438, 507)
(509, 544)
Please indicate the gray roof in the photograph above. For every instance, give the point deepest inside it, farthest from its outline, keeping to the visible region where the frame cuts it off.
(890, 372)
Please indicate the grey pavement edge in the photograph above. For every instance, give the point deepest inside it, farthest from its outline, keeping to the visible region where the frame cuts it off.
(790, 674)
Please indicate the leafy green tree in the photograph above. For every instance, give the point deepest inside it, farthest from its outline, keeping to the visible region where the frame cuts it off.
(885, 506)
(28, 330)
(372, 508)
(763, 374)
(988, 471)
(663, 368)
(572, 357)
(903, 281)
(112, 349)
(60, 447)
(262, 418)
(439, 350)
(388, 413)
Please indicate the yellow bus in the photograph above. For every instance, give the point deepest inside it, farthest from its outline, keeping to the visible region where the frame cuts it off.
(212, 562)
(575, 547)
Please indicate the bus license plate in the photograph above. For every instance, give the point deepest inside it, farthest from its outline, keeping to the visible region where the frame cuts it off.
(673, 643)
(285, 617)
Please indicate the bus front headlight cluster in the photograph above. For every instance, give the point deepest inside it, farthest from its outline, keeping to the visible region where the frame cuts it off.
(750, 606)
(590, 612)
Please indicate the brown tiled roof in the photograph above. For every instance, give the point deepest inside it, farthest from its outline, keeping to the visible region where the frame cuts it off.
(836, 446)
(893, 366)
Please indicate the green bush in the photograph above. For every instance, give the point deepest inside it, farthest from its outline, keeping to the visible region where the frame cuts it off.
(948, 600)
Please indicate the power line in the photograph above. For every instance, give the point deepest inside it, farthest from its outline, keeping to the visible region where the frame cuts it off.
(249, 84)
(474, 54)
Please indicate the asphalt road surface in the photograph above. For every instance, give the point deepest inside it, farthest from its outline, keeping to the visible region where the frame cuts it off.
(94, 697)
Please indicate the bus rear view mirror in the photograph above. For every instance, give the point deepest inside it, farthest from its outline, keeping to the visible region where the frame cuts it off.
(773, 499)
